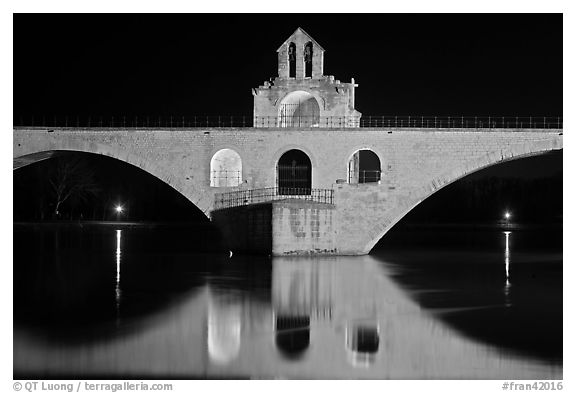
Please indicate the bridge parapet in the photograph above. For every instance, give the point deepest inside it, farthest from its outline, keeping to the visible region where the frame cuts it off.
(302, 122)
(261, 195)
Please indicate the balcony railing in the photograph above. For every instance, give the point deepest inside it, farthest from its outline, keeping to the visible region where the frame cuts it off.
(248, 197)
(226, 178)
(300, 122)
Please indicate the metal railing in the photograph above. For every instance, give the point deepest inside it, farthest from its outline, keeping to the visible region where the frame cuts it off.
(225, 178)
(365, 176)
(483, 122)
(307, 122)
(248, 197)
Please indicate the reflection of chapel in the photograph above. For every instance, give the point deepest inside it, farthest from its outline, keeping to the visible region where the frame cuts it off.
(301, 95)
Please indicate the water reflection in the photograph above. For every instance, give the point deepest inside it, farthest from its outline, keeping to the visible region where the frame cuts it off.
(517, 312)
(362, 342)
(118, 254)
(341, 317)
(188, 315)
(507, 264)
(292, 335)
(224, 329)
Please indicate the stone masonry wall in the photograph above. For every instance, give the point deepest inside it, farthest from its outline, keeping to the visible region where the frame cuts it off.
(415, 162)
(246, 229)
(302, 227)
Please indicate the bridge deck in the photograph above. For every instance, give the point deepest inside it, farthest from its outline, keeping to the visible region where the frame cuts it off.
(291, 129)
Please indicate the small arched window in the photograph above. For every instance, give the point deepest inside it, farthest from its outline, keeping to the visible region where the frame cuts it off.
(308, 59)
(292, 60)
(225, 169)
(364, 167)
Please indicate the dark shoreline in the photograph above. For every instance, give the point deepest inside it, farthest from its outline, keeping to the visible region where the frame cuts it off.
(485, 225)
(123, 224)
(416, 225)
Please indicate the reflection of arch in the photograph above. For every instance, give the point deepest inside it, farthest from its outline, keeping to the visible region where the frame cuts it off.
(292, 60)
(308, 59)
(225, 169)
(299, 109)
(364, 167)
(292, 335)
(294, 173)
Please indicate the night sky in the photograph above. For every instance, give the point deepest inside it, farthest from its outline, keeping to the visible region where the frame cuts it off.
(197, 64)
(206, 64)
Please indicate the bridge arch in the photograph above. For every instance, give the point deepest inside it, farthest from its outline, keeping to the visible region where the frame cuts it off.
(161, 172)
(376, 232)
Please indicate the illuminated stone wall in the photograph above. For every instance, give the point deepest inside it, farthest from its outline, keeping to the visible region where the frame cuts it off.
(415, 163)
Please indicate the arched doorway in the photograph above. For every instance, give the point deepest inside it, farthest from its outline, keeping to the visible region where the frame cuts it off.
(364, 167)
(294, 173)
(299, 109)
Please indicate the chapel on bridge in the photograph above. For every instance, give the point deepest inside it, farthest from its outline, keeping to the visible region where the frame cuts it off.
(301, 95)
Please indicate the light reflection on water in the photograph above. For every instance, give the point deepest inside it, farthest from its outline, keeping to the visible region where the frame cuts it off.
(331, 317)
(507, 285)
(118, 254)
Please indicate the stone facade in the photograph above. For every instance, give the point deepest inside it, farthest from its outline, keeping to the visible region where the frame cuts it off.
(415, 163)
(302, 227)
(247, 229)
(284, 227)
(301, 95)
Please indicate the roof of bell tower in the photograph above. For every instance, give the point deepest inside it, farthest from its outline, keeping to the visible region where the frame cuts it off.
(299, 31)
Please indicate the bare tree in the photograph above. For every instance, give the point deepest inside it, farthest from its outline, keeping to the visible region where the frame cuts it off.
(71, 179)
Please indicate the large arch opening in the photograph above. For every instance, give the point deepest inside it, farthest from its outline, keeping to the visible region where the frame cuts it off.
(527, 186)
(294, 173)
(364, 167)
(91, 187)
(299, 109)
(225, 169)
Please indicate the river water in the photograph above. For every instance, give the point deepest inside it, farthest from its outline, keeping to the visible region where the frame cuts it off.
(120, 301)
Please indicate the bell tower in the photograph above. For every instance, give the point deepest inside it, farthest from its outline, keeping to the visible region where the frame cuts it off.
(301, 95)
(300, 56)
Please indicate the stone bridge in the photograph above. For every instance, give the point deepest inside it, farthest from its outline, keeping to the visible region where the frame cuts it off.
(414, 164)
